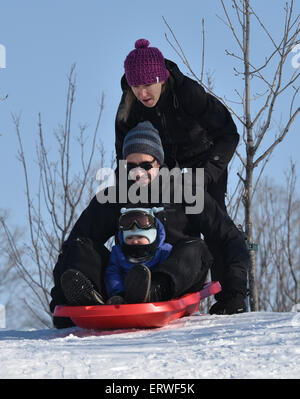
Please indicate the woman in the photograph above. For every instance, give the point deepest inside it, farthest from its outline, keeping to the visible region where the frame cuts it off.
(195, 128)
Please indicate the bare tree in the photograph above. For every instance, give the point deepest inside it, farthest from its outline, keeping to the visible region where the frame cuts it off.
(11, 285)
(265, 84)
(276, 221)
(62, 193)
(7, 272)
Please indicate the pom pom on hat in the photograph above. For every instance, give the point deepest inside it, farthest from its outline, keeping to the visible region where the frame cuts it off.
(142, 43)
(145, 65)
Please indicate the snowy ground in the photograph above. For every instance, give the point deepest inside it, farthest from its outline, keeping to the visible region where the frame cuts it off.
(250, 345)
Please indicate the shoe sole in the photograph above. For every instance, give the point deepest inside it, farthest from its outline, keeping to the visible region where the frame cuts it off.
(78, 289)
(137, 284)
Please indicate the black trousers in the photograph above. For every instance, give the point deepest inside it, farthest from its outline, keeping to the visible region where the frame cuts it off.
(84, 255)
(187, 266)
(218, 192)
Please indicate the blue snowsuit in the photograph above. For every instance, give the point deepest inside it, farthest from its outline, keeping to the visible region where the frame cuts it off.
(118, 265)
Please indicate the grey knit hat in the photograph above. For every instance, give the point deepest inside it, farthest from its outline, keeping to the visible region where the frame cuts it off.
(144, 138)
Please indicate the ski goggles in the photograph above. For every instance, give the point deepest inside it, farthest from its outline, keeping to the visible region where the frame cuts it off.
(142, 220)
(143, 165)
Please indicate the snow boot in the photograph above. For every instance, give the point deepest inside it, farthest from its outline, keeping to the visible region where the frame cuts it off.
(137, 284)
(141, 287)
(161, 288)
(79, 290)
(231, 305)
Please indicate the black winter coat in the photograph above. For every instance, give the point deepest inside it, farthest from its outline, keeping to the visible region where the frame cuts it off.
(196, 129)
(99, 222)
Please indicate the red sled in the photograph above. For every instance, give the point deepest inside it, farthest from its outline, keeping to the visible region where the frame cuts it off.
(140, 315)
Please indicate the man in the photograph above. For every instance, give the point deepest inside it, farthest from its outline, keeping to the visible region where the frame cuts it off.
(186, 267)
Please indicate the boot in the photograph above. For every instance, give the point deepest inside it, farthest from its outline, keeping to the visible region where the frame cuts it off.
(161, 288)
(137, 284)
(79, 290)
(230, 305)
(141, 287)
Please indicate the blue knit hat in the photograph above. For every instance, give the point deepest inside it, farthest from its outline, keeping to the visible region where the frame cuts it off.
(144, 138)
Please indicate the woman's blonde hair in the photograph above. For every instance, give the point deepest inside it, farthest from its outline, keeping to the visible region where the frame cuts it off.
(124, 110)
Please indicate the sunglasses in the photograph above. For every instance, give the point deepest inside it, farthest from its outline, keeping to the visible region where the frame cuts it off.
(142, 220)
(143, 165)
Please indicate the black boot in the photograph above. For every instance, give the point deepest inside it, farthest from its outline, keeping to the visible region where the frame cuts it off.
(229, 305)
(141, 286)
(78, 289)
(161, 288)
(137, 284)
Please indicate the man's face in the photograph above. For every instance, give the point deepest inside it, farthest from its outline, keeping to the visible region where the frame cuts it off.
(138, 164)
(148, 95)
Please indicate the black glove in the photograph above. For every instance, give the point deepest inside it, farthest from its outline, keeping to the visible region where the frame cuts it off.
(115, 300)
(234, 304)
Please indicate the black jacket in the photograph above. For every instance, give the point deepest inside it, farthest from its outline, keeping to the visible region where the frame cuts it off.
(196, 128)
(99, 222)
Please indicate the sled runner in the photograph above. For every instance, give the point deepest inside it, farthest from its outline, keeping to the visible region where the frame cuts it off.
(140, 315)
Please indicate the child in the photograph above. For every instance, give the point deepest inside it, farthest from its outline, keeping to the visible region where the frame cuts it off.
(141, 247)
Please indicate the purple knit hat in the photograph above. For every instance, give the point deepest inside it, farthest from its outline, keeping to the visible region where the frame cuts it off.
(145, 65)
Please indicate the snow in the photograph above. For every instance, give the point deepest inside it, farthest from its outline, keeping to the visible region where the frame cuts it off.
(247, 346)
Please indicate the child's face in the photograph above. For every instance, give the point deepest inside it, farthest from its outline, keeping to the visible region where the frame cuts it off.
(137, 240)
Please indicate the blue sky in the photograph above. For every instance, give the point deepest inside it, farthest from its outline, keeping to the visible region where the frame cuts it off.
(44, 38)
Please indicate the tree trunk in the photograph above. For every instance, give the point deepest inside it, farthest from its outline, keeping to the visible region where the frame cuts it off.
(249, 234)
(250, 163)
